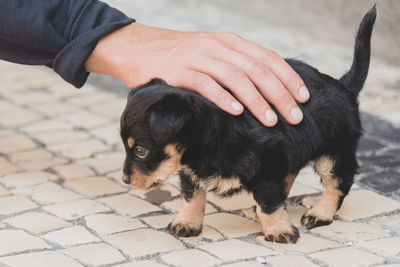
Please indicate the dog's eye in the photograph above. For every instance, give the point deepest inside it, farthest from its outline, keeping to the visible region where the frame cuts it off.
(141, 152)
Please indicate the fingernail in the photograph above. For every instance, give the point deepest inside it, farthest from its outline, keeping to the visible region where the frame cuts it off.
(296, 114)
(236, 106)
(304, 94)
(270, 116)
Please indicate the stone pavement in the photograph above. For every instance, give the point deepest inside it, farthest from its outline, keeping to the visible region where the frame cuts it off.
(62, 202)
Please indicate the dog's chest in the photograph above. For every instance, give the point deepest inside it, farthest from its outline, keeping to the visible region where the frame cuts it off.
(221, 186)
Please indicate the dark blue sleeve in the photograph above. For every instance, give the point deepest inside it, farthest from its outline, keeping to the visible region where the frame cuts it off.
(60, 34)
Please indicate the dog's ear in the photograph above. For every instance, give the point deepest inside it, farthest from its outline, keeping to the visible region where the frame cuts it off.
(168, 116)
(154, 81)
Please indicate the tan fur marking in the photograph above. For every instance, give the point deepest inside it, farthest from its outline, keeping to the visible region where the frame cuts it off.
(164, 170)
(131, 142)
(275, 223)
(325, 209)
(323, 165)
(289, 180)
(191, 212)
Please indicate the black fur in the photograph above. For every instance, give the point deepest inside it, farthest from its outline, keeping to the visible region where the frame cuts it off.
(215, 143)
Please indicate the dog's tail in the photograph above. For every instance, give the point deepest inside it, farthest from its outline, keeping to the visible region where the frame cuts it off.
(354, 79)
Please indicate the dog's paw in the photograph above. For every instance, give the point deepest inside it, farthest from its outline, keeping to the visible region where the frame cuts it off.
(310, 221)
(288, 236)
(183, 230)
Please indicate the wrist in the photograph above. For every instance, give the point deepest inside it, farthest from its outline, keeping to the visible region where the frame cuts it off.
(109, 55)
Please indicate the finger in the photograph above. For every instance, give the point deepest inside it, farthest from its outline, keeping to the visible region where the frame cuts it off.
(210, 89)
(240, 85)
(267, 83)
(277, 64)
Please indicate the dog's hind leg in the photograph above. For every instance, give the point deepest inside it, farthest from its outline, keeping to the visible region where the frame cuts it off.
(189, 220)
(270, 209)
(337, 173)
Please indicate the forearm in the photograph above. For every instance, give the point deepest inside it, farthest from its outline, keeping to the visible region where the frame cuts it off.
(57, 33)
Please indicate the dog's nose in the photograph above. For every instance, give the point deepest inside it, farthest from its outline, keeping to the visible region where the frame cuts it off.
(126, 179)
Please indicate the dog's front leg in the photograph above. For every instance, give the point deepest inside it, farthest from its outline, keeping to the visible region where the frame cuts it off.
(270, 198)
(189, 220)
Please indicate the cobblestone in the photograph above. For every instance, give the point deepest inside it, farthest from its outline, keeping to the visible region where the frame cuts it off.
(63, 203)
(37, 223)
(71, 236)
(95, 254)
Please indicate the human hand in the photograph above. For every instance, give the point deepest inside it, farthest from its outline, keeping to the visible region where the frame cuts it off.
(202, 62)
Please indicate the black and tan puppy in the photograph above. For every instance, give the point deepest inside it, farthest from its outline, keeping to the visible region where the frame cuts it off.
(166, 128)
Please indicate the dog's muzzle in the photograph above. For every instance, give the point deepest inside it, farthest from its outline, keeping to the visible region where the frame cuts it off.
(126, 179)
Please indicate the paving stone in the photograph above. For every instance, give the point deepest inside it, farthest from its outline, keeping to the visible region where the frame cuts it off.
(50, 125)
(75, 209)
(175, 205)
(361, 204)
(389, 247)
(233, 249)
(71, 171)
(145, 263)
(12, 241)
(37, 223)
(290, 261)
(386, 220)
(42, 259)
(308, 177)
(49, 193)
(108, 133)
(295, 214)
(95, 100)
(207, 235)
(386, 182)
(71, 236)
(79, 149)
(14, 204)
(95, 186)
(299, 189)
(129, 205)
(52, 138)
(236, 202)
(348, 231)
(95, 254)
(26, 178)
(159, 221)
(41, 164)
(31, 154)
(53, 109)
(106, 162)
(6, 167)
(112, 108)
(18, 117)
(111, 223)
(251, 263)
(30, 98)
(3, 191)
(141, 242)
(306, 244)
(232, 225)
(347, 257)
(190, 257)
(159, 195)
(15, 143)
(84, 119)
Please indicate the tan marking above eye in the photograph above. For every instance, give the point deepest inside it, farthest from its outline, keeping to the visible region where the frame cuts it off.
(131, 142)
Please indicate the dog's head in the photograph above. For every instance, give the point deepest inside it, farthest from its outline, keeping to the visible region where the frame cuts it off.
(151, 125)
